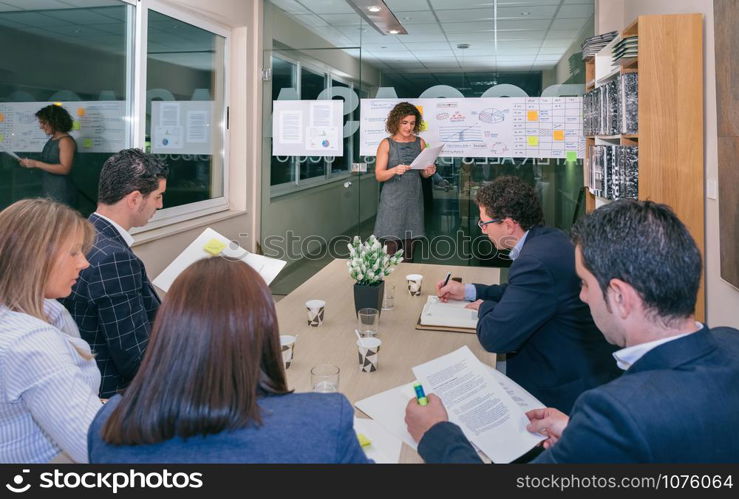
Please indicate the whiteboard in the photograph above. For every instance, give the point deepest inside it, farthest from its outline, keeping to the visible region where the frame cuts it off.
(508, 127)
(307, 128)
(98, 126)
(181, 127)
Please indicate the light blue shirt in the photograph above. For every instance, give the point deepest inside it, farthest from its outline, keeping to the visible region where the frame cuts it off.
(470, 293)
(48, 394)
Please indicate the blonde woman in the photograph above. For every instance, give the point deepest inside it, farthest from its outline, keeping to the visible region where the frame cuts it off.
(49, 379)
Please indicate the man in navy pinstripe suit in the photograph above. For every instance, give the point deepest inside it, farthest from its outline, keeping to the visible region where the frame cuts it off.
(113, 301)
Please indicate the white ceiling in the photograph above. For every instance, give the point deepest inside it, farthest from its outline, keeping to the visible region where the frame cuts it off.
(532, 35)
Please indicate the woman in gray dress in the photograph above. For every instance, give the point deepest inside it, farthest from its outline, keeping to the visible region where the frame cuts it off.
(400, 212)
(57, 156)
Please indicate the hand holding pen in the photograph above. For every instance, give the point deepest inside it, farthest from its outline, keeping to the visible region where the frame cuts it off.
(449, 290)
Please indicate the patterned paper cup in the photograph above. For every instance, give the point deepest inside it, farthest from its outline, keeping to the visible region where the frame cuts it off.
(368, 349)
(316, 310)
(414, 284)
(287, 342)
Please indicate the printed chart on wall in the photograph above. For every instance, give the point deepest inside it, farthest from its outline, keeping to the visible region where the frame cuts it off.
(97, 126)
(508, 127)
(181, 127)
(307, 128)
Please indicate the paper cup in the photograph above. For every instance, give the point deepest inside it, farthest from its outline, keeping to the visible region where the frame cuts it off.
(316, 310)
(287, 343)
(414, 284)
(368, 349)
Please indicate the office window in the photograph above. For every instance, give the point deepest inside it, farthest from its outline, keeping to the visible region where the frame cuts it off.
(311, 86)
(284, 85)
(77, 58)
(185, 107)
(82, 59)
(342, 164)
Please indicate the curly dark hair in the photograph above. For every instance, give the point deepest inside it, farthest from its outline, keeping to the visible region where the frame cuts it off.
(127, 171)
(511, 197)
(56, 116)
(400, 111)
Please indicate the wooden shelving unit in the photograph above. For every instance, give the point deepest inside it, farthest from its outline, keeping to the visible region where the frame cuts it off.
(670, 138)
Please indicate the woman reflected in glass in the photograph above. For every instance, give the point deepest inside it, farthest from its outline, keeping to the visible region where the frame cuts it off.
(57, 157)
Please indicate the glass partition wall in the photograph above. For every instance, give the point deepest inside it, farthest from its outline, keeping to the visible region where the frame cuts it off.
(460, 50)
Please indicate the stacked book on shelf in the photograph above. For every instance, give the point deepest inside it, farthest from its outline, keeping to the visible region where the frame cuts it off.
(592, 45)
(626, 48)
(612, 108)
(614, 171)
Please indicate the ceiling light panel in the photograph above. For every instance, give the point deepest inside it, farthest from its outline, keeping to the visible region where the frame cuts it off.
(384, 21)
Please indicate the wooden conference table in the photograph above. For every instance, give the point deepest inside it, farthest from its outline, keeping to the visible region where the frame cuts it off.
(403, 347)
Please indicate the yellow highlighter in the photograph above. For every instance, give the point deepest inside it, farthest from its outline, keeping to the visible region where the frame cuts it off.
(363, 440)
(214, 246)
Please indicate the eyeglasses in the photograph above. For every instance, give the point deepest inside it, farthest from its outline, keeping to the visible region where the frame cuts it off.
(482, 224)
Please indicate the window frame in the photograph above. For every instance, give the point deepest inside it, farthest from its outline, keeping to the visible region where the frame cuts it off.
(329, 176)
(175, 214)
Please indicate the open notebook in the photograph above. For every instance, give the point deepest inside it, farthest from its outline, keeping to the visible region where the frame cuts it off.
(450, 316)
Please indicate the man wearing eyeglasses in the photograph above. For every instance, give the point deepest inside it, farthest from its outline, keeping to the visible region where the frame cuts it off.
(554, 349)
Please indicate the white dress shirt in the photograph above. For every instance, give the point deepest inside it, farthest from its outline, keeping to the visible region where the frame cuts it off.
(627, 357)
(48, 390)
(123, 232)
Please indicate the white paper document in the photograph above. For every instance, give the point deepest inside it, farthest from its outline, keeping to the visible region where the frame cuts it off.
(388, 408)
(427, 157)
(384, 447)
(211, 243)
(475, 401)
(450, 314)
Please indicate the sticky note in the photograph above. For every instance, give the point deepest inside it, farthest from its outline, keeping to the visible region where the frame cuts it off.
(87, 143)
(424, 126)
(420, 109)
(532, 115)
(2, 137)
(533, 140)
(214, 246)
(81, 112)
(363, 440)
(75, 125)
(571, 155)
(2, 117)
(559, 135)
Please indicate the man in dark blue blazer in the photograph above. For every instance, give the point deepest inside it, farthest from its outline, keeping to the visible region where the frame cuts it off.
(678, 398)
(556, 352)
(113, 301)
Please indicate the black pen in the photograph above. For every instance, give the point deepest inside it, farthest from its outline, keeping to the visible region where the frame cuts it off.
(446, 281)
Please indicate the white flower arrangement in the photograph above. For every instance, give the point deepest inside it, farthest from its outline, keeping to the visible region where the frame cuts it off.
(369, 262)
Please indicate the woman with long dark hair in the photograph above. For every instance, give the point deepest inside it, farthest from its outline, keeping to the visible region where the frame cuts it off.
(212, 387)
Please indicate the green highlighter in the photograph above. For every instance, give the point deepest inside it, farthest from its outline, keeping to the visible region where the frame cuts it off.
(420, 395)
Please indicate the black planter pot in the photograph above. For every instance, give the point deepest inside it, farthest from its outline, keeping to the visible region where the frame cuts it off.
(369, 296)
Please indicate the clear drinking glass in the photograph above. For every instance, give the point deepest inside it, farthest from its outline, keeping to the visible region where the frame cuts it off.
(324, 378)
